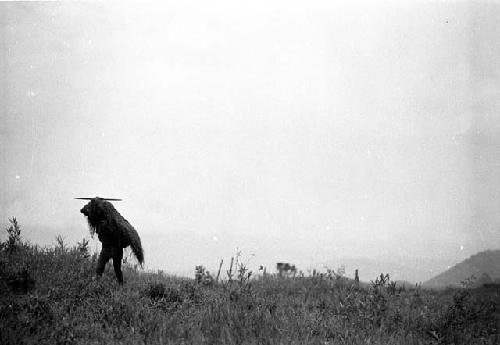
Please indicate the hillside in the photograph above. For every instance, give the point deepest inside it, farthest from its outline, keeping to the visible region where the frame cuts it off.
(484, 266)
(51, 296)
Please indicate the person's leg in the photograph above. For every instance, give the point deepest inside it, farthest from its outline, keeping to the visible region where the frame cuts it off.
(102, 261)
(117, 264)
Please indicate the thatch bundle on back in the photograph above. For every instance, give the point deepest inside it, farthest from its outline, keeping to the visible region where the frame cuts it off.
(99, 211)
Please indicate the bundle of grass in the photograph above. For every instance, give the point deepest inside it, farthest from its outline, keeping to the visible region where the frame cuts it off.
(99, 211)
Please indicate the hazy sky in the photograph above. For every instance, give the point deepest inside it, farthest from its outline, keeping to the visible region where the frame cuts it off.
(312, 134)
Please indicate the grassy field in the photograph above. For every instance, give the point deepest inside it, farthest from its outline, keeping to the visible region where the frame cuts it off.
(50, 296)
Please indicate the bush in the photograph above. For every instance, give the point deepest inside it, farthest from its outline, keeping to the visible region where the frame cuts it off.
(14, 239)
(15, 272)
(202, 276)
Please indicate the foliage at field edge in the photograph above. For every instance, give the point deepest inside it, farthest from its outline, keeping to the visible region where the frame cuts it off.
(51, 296)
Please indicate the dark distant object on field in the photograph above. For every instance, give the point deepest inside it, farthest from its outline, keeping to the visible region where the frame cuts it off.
(99, 211)
(286, 268)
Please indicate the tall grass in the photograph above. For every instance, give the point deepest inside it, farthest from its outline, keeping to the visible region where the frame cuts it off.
(51, 296)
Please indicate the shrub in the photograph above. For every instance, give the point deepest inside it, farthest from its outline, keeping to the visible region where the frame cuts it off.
(83, 248)
(203, 276)
(14, 232)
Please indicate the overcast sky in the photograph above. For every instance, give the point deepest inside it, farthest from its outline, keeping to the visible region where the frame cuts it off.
(311, 134)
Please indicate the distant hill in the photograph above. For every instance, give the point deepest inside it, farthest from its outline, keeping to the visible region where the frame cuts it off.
(484, 266)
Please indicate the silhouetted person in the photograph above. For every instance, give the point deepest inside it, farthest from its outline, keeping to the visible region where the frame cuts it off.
(114, 232)
(111, 249)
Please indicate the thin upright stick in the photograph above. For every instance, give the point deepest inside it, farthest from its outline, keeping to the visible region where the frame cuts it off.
(218, 273)
(230, 272)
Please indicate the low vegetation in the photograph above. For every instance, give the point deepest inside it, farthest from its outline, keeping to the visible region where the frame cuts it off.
(51, 296)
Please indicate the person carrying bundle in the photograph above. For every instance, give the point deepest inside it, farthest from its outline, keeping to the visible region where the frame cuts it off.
(114, 232)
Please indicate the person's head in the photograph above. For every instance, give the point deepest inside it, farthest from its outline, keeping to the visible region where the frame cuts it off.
(96, 211)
